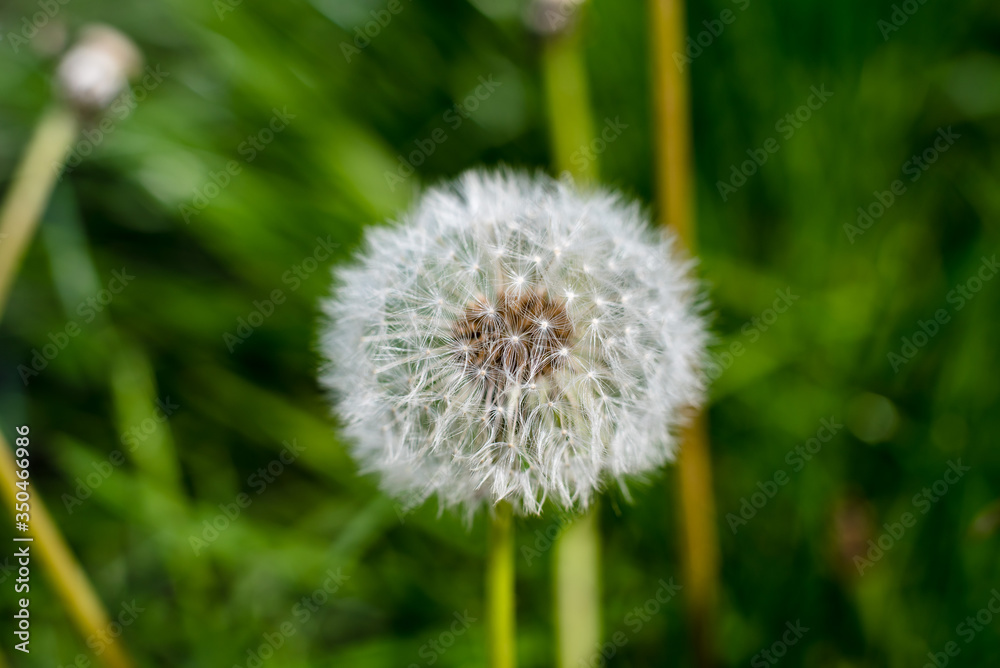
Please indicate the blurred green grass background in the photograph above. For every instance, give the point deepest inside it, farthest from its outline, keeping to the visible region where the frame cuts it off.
(226, 70)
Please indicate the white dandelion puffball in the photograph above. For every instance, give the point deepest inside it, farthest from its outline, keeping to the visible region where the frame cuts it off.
(513, 338)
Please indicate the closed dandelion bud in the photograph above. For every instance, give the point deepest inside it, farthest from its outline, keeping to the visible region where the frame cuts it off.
(552, 17)
(513, 339)
(97, 69)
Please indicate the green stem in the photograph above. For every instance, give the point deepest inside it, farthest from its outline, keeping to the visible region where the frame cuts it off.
(29, 193)
(577, 584)
(69, 580)
(675, 198)
(571, 125)
(577, 590)
(500, 589)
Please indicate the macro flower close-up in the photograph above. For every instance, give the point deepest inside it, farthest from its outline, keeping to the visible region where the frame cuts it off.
(499, 333)
(514, 338)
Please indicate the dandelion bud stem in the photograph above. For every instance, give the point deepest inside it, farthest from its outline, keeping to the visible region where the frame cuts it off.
(29, 193)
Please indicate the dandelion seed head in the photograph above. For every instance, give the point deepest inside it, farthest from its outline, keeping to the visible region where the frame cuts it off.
(97, 69)
(513, 338)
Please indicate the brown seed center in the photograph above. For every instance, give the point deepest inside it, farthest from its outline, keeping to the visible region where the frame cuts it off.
(519, 336)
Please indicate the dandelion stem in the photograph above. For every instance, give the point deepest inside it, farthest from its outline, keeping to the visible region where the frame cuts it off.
(577, 590)
(500, 589)
(674, 192)
(577, 584)
(673, 120)
(571, 125)
(68, 578)
(29, 193)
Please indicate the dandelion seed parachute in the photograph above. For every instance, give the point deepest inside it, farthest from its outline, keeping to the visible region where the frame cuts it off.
(513, 338)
